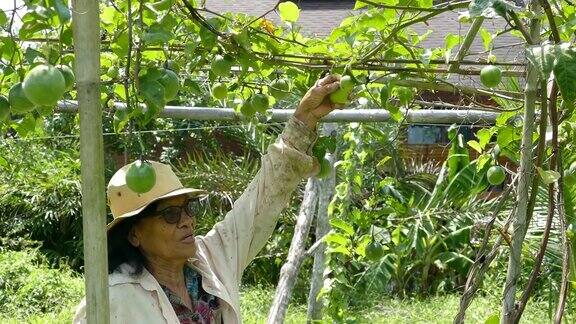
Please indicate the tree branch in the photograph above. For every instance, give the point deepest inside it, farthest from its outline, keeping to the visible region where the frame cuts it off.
(195, 16)
(455, 5)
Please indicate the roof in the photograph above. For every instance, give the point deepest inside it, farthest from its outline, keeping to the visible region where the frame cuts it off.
(320, 17)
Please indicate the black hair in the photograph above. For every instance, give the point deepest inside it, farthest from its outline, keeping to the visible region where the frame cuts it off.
(120, 250)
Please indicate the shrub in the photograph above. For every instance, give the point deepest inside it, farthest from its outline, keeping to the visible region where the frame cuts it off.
(28, 286)
(40, 199)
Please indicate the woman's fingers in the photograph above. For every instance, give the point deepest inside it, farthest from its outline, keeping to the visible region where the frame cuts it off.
(328, 79)
(326, 89)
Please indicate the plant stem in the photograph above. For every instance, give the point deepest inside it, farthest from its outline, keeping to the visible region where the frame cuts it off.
(470, 35)
(551, 204)
(525, 173)
(325, 191)
(562, 217)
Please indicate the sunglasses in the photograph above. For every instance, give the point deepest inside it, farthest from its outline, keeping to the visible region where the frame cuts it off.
(173, 214)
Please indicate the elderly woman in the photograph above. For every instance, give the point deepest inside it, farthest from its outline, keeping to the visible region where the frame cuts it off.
(161, 271)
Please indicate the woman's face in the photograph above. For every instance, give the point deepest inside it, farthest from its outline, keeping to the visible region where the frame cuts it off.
(160, 240)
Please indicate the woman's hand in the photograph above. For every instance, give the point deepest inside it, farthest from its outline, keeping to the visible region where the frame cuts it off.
(316, 102)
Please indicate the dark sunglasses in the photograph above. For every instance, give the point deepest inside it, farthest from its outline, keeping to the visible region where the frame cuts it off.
(172, 215)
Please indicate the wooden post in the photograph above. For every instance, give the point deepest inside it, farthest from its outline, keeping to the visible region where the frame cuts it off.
(290, 269)
(86, 29)
(326, 188)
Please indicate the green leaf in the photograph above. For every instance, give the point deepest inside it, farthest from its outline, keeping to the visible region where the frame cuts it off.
(493, 319)
(342, 190)
(451, 40)
(3, 18)
(548, 176)
(404, 94)
(484, 135)
(565, 72)
(475, 145)
(120, 120)
(109, 15)
(30, 28)
(337, 239)
(507, 135)
(31, 55)
(289, 11)
(486, 38)
(26, 125)
(120, 91)
(481, 161)
(341, 224)
(63, 11)
(157, 35)
(120, 46)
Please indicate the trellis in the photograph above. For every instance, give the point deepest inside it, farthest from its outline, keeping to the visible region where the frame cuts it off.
(87, 49)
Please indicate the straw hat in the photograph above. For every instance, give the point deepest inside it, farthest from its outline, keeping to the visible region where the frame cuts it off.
(126, 203)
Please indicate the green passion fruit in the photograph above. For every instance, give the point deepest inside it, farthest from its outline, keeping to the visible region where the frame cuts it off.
(490, 76)
(19, 103)
(219, 91)
(496, 175)
(44, 85)
(279, 89)
(141, 177)
(260, 102)
(346, 83)
(4, 108)
(247, 109)
(68, 75)
(221, 66)
(341, 95)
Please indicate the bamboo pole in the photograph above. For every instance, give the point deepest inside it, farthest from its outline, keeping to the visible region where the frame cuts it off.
(525, 175)
(421, 116)
(86, 29)
(296, 254)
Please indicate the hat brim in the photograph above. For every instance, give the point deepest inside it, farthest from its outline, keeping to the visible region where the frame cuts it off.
(178, 192)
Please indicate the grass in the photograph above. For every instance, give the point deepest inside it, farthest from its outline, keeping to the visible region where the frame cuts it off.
(386, 310)
(31, 292)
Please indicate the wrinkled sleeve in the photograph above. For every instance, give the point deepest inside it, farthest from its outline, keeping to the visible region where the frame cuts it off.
(121, 310)
(235, 241)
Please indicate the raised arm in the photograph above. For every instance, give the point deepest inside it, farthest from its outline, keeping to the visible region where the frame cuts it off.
(236, 240)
